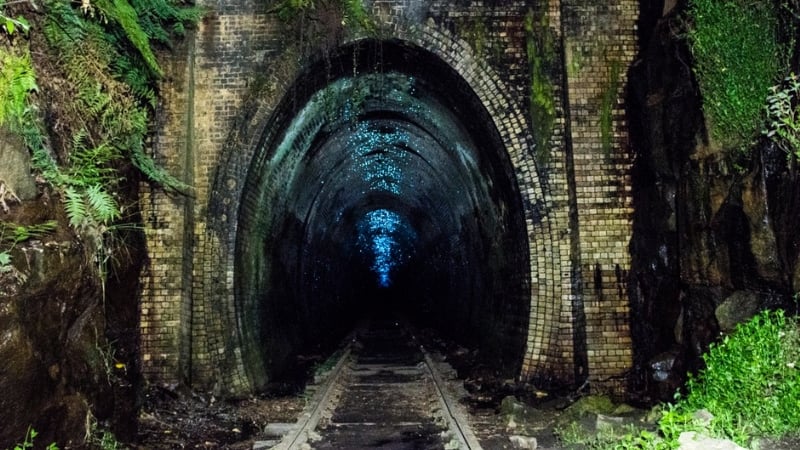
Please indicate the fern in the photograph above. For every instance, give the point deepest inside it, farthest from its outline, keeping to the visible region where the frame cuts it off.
(76, 207)
(17, 80)
(103, 206)
(157, 173)
(138, 79)
(161, 19)
(123, 13)
(12, 233)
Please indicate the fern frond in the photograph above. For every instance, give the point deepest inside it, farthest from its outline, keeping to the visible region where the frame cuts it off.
(157, 173)
(123, 13)
(75, 206)
(161, 18)
(102, 205)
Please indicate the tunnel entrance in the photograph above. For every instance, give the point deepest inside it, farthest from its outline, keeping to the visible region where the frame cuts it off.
(380, 185)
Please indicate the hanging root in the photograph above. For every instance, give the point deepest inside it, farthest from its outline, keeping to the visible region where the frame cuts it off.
(7, 195)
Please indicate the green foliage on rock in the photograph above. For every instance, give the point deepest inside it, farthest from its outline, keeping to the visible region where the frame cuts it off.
(540, 48)
(12, 234)
(83, 105)
(750, 385)
(751, 381)
(737, 57)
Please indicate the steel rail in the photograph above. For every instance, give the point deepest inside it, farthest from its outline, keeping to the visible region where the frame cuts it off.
(309, 420)
(455, 418)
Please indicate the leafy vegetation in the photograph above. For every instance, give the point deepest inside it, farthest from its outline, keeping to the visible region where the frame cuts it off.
(737, 57)
(540, 47)
(751, 382)
(28, 441)
(783, 115)
(100, 75)
(11, 24)
(750, 385)
(17, 80)
(12, 234)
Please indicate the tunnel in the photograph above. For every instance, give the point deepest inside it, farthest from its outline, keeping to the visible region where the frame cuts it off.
(380, 185)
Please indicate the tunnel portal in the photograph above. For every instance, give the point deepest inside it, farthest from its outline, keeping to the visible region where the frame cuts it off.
(380, 185)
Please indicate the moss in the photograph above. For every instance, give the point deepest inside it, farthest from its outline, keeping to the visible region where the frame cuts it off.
(608, 99)
(473, 30)
(737, 58)
(540, 47)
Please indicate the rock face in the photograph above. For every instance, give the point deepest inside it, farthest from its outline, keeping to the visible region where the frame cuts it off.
(58, 367)
(15, 170)
(710, 224)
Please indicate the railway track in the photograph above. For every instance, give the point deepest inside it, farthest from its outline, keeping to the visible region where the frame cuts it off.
(386, 392)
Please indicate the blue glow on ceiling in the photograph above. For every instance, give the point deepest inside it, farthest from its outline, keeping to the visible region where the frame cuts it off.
(386, 238)
(380, 156)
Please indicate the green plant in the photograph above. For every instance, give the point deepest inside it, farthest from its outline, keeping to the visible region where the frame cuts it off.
(783, 115)
(12, 24)
(751, 380)
(12, 234)
(540, 48)
(99, 437)
(737, 58)
(17, 80)
(27, 443)
(750, 385)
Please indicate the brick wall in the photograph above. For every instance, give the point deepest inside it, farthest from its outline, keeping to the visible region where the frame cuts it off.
(600, 44)
(577, 205)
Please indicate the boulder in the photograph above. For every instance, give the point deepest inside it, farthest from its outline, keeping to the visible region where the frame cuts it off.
(737, 308)
(691, 440)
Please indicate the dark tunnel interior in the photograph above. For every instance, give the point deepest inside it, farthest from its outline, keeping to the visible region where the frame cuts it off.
(381, 185)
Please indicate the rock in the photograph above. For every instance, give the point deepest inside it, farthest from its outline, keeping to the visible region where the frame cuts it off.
(702, 417)
(592, 404)
(737, 308)
(278, 430)
(524, 442)
(669, 5)
(52, 368)
(763, 244)
(516, 410)
(662, 365)
(677, 331)
(604, 422)
(691, 440)
(15, 171)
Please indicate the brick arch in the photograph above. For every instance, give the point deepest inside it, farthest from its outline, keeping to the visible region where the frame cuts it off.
(219, 339)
